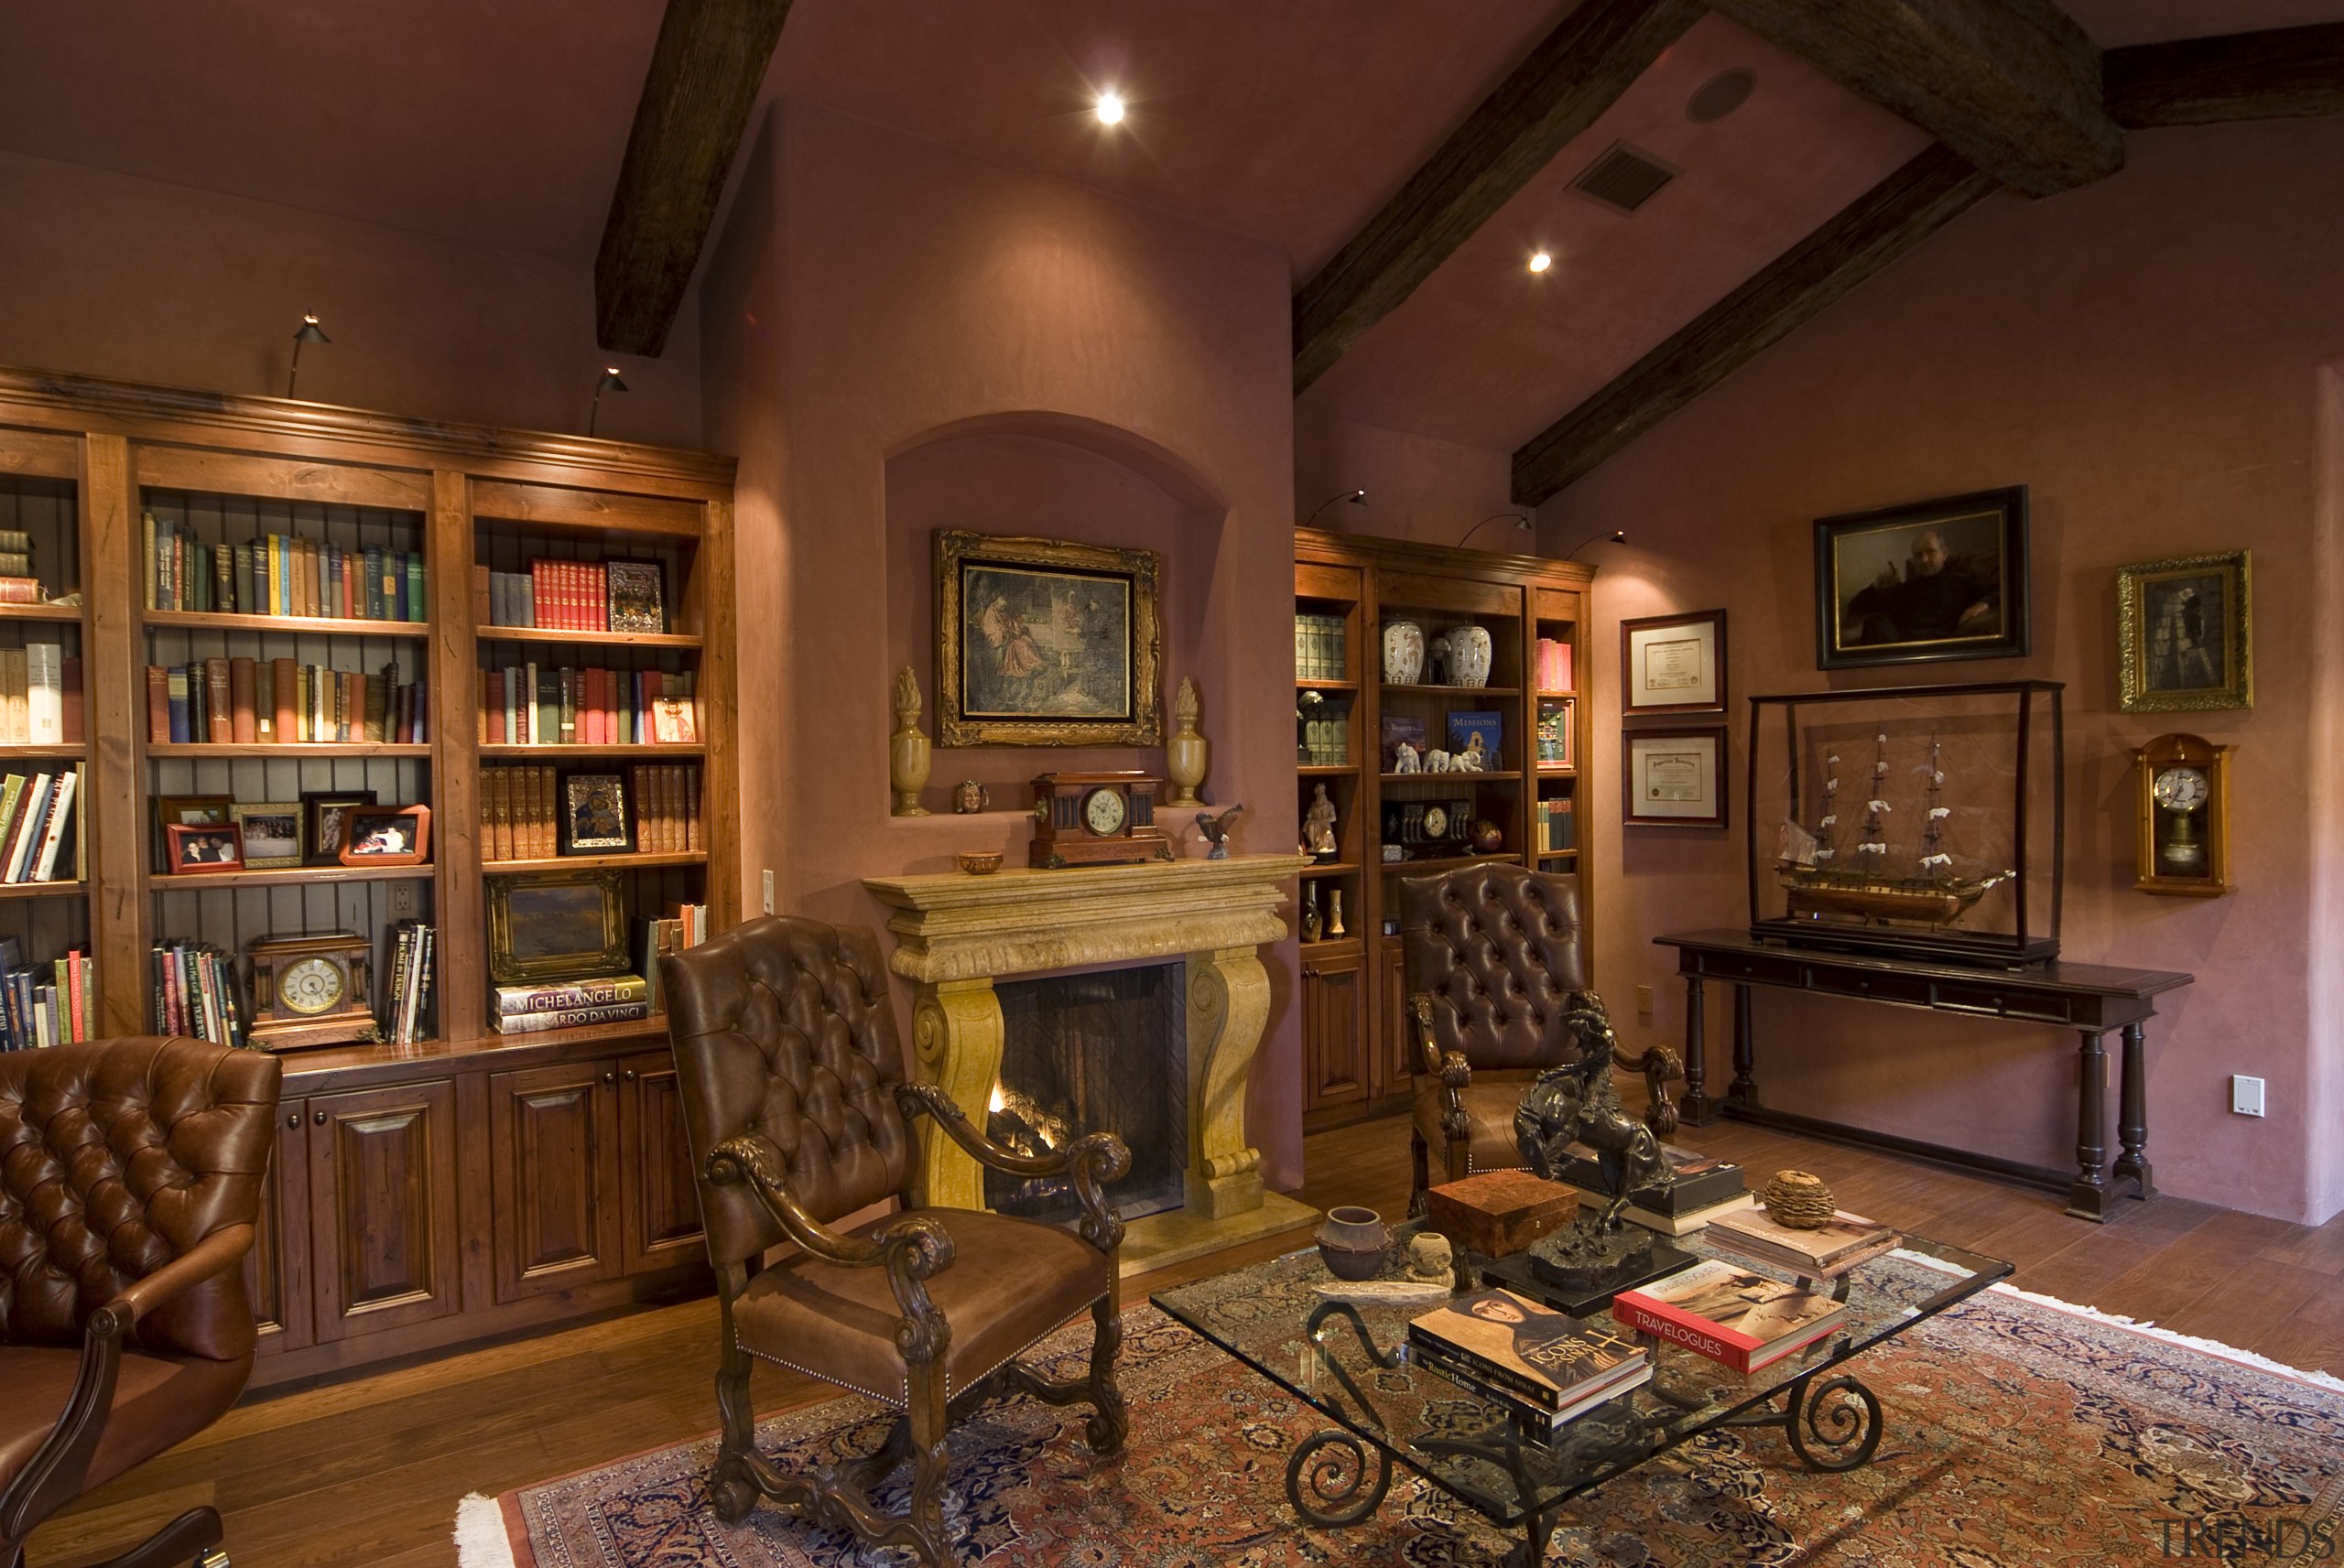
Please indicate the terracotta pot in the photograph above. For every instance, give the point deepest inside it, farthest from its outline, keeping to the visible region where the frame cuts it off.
(1404, 653)
(1352, 1242)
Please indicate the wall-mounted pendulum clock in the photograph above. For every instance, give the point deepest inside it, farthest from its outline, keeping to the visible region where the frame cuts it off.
(2185, 809)
(1096, 819)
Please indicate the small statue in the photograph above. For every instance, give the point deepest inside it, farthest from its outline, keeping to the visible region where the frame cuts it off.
(969, 797)
(1188, 755)
(907, 750)
(1579, 1103)
(1405, 759)
(1216, 830)
(1473, 759)
(1440, 761)
(1319, 824)
(1334, 912)
(1437, 661)
(1312, 927)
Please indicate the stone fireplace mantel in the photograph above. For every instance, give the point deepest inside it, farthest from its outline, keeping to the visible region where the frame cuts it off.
(956, 934)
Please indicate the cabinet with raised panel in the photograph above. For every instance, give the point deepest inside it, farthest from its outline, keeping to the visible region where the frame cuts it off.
(384, 1247)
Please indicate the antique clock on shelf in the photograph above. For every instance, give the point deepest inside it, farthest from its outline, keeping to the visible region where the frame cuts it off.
(2184, 829)
(1096, 819)
(311, 990)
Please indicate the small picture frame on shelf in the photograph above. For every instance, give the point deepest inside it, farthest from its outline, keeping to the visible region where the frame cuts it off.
(635, 596)
(202, 849)
(272, 834)
(1673, 664)
(194, 810)
(672, 721)
(1673, 777)
(1557, 731)
(387, 835)
(595, 818)
(556, 925)
(324, 815)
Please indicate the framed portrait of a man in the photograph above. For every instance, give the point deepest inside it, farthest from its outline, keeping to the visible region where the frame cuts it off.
(1919, 583)
(1045, 643)
(2185, 627)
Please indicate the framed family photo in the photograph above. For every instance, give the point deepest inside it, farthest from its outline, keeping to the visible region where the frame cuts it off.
(387, 835)
(1673, 664)
(1673, 777)
(196, 849)
(272, 834)
(1920, 583)
(2185, 634)
(1043, 643)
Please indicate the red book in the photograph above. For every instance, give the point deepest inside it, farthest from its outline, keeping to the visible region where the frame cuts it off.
(602, 599)
(541, 594)
(1734, 1316)
(68, 681)
(573, 598)
(288, 699)
(244, 726)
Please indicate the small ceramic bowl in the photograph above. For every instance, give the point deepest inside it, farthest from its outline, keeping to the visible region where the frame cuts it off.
(1352, 1243)
(980, 863)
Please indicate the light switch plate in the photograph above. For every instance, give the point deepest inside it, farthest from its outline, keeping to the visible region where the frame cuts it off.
(768, 892)
(2246, 1094)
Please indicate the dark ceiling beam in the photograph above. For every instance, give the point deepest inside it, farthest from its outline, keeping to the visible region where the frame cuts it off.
(705, 72)
(2286, 73)
(2012, 85)
(1890, 218)
(1576, 72)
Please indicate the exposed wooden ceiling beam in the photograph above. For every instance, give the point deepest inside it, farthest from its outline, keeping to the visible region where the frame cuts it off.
(1578, 71)
(2282, 74)
(2012, 85)
(705, 72)
(1885, 222)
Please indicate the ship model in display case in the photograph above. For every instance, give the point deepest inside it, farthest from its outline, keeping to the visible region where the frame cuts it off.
(1951, 847)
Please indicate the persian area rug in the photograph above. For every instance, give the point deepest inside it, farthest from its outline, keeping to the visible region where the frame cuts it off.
(2022, 1433)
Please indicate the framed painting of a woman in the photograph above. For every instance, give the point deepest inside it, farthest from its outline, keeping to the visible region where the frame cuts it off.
(1044, 643)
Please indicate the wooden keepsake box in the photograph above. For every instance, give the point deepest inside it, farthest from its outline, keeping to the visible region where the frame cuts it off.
(1498, 1213)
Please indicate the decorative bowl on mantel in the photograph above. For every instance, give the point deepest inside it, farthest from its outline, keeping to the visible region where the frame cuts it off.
(980, 863)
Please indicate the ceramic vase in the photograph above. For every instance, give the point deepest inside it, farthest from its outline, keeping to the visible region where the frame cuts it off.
(1187, 754)
(1311, 926)
(1404, 653)
(1334, 912)
(908, 757)
(1469, 655)
(1352, 1242)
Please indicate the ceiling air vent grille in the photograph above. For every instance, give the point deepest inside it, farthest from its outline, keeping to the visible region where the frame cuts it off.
(1624, 179)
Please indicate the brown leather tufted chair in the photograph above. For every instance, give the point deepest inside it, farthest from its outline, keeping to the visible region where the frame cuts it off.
(787, 1055)
(130, 1177)
(1490, 960)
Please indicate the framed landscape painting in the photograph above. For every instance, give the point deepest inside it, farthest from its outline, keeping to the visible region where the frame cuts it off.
(1043, 643)
(1924, 582)
(2185, 634)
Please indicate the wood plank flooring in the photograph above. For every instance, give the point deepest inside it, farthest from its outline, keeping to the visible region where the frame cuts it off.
(368, 1471)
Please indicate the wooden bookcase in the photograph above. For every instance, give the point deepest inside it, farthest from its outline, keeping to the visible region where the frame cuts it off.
(1354, 1050)
(475, 1181)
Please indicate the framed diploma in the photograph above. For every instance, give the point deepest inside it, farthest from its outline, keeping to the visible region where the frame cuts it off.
(1673, 664)
(1673, 778)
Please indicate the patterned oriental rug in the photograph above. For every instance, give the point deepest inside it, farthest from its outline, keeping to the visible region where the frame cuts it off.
(2022, 1433)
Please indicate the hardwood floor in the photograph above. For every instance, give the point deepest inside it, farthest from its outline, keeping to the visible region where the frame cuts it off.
(369, 1471)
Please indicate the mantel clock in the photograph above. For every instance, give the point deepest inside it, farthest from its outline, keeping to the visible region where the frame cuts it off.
(2184, 810)
(313, 990)
(1096, 819)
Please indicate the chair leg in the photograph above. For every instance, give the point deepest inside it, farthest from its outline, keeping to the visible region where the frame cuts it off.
(194, 1537)
(930, 1420)
(730, 1485)
(1420, 1162)
(1109, 1423)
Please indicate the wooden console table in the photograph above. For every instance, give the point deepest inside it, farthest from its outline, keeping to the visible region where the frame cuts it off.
(2086, 998)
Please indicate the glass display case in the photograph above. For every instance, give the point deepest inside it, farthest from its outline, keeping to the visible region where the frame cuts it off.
(1924, 822)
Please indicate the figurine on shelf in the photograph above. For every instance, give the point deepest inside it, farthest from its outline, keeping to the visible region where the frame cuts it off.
(969, 797)
(1319, 824)
(1188, 755)
(1216, 830)
(908, 748)
(1312, 927)
(1405, 759)
(1440, 761)
(1473, 759)
(1334, 912)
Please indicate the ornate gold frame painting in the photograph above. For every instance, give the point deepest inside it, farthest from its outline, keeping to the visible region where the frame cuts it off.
(1043, 643)
(555, 926)
(2185, 633)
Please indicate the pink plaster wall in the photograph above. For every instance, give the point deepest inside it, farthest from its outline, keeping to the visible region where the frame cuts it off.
(2145, 354)
(111, 275)
(934, 339)
(1419, 487)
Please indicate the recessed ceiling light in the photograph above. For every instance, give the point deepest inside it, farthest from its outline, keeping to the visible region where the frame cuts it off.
(1720, 95)
(1110, 108)
(1541, 261)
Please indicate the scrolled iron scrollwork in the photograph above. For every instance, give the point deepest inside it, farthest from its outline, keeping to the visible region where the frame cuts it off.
(1834, 1424)
(1335, 1479)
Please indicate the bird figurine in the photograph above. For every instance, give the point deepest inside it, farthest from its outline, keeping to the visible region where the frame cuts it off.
(1216, 830)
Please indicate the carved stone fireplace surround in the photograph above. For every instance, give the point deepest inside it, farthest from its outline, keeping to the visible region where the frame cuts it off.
(956, 935)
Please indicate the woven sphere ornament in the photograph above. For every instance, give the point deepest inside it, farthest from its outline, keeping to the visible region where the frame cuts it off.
(1800, 1201)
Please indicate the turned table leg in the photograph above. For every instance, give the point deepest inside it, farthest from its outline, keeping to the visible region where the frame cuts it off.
(1695, 1109)
(1744, 1089)
(2087, 1198)
(2133, 1115)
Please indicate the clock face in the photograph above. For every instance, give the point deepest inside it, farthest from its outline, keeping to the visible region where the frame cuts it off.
(309, 986)
(2180, 789)
(1103, 811)
(1436, 821)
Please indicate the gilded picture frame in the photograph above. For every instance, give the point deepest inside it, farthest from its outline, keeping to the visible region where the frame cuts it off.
(556, 925)
(2185, 633)
(1045, 643)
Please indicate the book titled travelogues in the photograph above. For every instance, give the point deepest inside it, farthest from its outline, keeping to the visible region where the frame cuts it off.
(1530, 1357)
(1740, 1319)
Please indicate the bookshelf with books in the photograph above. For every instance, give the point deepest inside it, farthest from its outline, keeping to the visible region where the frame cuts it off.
(1525, 725)
(306, 613)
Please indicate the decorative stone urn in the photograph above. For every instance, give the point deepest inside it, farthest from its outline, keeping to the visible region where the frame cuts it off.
(907, 750)
(1469, 655)
(1404, 653)
(1188, 755)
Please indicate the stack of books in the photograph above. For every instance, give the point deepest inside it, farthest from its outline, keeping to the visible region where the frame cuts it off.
(1705, 1190)
(520, 812)
(573, 596)
(1320, 652)
(566, 1004)
(245, 701)
(1327, 734)
(1542, 1367)
(194, 988)
(279, 575)
(17, 584)
(406, 999)
(40, 696)
(47, 1004)
(534, 705)
(40, 831)
(687, 928)
(1825, 1253)
(1554, 666)
(1557, 828)
(1734, 1317)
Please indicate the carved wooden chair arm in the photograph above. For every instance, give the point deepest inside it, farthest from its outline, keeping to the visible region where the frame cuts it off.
(1090, 1162)
(54, 1475)
(910, 1246)
(1449, 1069)
(1660, 1066)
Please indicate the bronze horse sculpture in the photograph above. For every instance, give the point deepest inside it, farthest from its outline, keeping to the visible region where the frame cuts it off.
(1577, 1103)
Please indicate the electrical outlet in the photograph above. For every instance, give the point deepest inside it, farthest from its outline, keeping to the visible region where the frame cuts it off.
(1644, 1002)
(768, 892)
(402, 901)
(2246, 1094)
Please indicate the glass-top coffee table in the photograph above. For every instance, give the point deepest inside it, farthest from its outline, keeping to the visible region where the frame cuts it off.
(1347, 1362)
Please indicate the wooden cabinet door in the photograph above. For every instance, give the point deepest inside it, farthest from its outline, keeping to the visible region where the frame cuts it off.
(277, 1271)
(1334, 1028)
(656, 1186)
(384, 1250)
(553, 1177)
(1396, 1046)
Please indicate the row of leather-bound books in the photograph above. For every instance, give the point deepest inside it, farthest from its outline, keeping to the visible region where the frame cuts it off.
(277, 701)
(523, 811)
